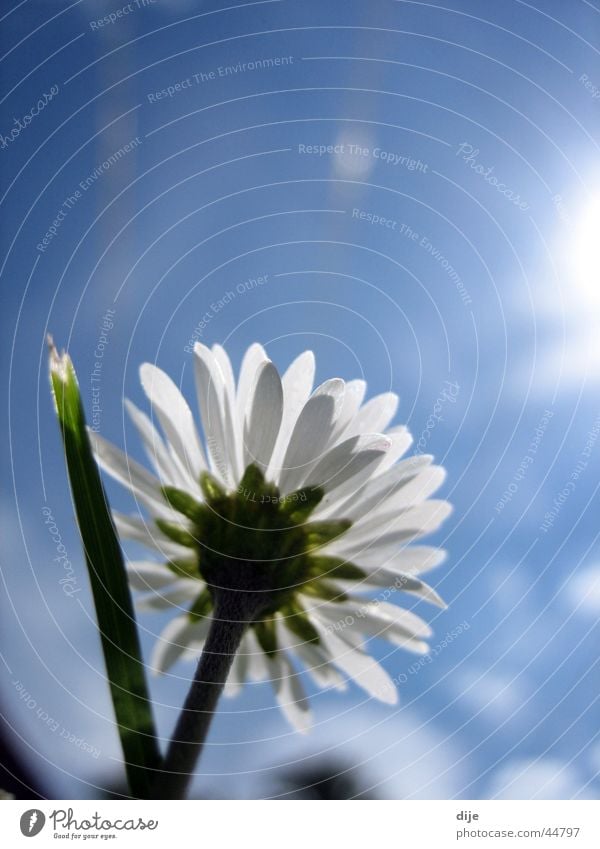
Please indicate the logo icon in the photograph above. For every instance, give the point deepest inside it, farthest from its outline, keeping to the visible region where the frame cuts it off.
(32, 822)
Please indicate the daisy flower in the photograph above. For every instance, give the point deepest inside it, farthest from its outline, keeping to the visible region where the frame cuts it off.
(296, 501)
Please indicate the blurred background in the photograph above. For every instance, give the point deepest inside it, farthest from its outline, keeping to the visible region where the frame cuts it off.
(418, 186)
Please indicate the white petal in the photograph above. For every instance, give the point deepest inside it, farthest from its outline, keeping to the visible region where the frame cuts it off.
(353, 398)
(167, 465)
(253, 358)
(233, 430)
(234, 684)
(263, 418)
(180, 596)
(401, 442)
(424, 518)
(400, 582)
(314, 658)
(323, 673)
(224, 363)
(210, 390)
(382, 486)
(134, 528)
(233, 442)
(156, 450)
(297, 383)
(417, 490)
(382, 613)
(175, 418)
(406, 494)
(311, 434)
(353, 502)
(317, 611)
(258, 669)
(360, 667)
(413, 523)
(347, 459)
(126, 471)
(409, 560)
(147, 575)
(375, 415)
(371, 553)
(239, 669)
(195, 646)
(289, 693)
(415, 560)
(175, 639)
(378, 619)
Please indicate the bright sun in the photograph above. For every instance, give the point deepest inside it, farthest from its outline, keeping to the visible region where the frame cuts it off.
(586, 251)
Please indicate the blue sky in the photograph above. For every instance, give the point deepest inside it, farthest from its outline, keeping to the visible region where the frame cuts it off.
(484, 276)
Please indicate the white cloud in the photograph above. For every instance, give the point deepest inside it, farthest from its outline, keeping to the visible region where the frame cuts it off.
(545, 778)
(583, 591)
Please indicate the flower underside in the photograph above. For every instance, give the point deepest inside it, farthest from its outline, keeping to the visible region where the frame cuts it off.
(262, 545)
(292, 509)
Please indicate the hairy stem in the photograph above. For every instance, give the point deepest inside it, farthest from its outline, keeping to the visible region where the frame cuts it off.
(233, 612)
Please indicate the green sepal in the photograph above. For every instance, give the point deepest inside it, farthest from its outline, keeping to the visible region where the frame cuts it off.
(300, 504)
(184, 568)
(266, 636)
(252, 482)
(211, 488)
(182, 502)
(320, 533)
(335, 567)
(202, 606)
(298, 622)
(176, 533)
(325, 591)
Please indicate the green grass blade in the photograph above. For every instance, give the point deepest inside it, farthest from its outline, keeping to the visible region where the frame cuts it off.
(110, 588)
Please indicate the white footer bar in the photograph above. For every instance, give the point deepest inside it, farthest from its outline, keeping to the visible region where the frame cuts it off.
(291, 825)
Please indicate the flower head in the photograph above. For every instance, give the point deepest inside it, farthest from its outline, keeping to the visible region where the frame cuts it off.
(297, 499)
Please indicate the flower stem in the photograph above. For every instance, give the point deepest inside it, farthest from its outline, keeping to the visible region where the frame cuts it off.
(233, 611)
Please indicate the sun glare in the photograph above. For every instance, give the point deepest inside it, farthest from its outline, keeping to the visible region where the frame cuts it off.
(586, 251)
